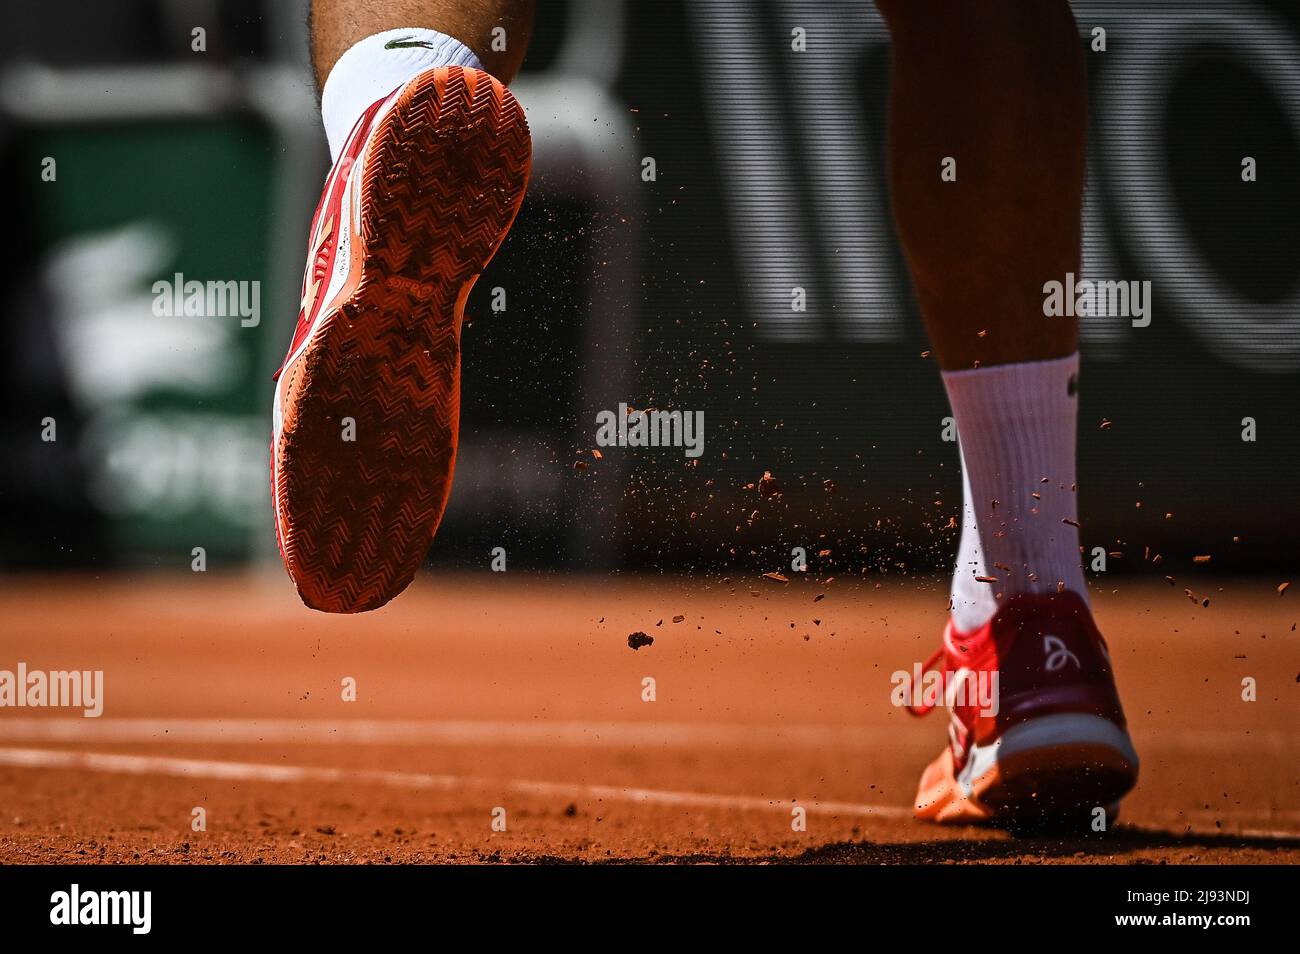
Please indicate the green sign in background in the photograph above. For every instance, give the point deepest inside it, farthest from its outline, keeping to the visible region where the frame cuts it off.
(177, 407)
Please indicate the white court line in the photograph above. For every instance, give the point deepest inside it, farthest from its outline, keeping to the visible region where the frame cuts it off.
(256, 772)
(539, 733)
(435, 731)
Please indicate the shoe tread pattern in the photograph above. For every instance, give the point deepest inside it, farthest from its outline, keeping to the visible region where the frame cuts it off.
(443, 180)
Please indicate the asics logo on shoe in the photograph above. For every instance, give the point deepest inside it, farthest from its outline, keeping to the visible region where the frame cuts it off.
(403, 42)
(1057, 655)
(316, 265)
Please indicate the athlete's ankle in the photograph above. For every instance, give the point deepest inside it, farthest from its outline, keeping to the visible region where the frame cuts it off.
(1016, 425)
(372, 68)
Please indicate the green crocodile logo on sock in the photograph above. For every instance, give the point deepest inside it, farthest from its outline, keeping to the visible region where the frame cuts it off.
(403, 42)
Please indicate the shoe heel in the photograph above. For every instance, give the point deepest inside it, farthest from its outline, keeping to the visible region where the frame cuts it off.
(1053, 767)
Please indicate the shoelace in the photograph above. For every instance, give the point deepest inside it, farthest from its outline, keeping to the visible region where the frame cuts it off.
(927, 666)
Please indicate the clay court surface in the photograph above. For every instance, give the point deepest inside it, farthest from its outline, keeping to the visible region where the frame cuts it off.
(517, 692)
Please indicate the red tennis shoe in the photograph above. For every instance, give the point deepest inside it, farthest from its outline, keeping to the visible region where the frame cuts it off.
(1053, 744)
(367, 404)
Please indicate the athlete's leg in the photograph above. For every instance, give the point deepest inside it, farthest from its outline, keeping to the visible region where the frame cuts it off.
(994, 95)
(998, 86)
(987, 125)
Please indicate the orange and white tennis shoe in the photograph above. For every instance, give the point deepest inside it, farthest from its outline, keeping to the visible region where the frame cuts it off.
(1055, 747)
(367, 403)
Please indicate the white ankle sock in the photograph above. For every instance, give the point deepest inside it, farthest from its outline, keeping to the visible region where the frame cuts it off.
(973, 603)
(369, 71)
(1016, 424)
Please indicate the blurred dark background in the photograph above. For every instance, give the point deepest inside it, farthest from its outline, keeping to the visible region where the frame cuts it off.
(671, 293)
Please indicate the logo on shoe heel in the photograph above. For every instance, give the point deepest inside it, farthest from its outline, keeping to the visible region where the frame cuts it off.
(1058, 654)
